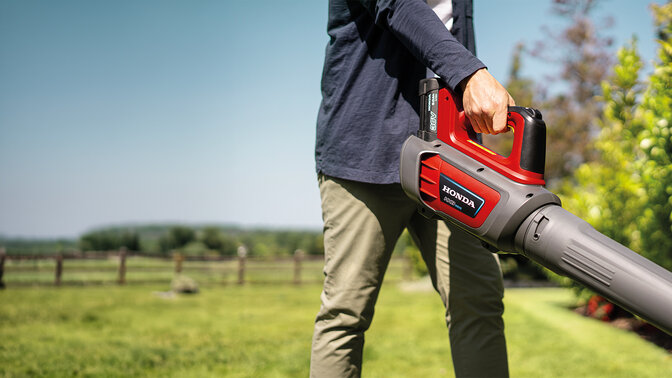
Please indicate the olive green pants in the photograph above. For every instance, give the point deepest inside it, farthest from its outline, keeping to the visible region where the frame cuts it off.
(362, 223)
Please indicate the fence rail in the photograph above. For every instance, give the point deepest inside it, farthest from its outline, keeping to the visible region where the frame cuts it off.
(128, 267)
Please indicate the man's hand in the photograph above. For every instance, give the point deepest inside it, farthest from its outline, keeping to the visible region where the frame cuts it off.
(485, 102)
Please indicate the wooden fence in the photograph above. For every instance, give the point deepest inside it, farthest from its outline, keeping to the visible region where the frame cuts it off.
(127, 267)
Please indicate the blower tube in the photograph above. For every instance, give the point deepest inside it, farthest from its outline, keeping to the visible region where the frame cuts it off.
(569, 246)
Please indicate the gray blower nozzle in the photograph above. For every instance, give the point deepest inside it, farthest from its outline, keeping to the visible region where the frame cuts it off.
(569, 246)
(501, 200)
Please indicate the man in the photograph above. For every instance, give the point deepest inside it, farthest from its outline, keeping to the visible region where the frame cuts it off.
(377, 53)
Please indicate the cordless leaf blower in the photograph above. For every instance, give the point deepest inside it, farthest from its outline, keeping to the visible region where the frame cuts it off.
(502, 201)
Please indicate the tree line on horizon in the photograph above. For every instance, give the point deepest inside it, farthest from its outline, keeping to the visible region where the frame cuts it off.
(207, 240)
(187, 240)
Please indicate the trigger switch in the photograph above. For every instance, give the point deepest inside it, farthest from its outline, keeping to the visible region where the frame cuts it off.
(534, 113)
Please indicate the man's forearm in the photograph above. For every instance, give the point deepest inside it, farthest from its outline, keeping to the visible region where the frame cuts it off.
(421, 31)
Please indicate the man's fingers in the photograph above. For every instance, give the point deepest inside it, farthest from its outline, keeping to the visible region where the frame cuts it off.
(474, 124)
(485, 102)
(512, 102)
(477, 125)
(499, 121)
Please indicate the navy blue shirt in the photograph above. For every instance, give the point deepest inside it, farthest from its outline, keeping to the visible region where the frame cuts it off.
(377, 53)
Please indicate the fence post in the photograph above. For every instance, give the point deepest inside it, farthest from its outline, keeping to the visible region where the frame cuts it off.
(121, 279)
(242, 256)
(59, 269)
(298, 256)
(178, 262)
(3, 254)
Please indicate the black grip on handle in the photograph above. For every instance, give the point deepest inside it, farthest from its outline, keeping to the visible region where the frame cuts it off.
(533, 148)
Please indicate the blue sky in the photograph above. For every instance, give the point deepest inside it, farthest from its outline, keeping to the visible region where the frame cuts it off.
(189, 111)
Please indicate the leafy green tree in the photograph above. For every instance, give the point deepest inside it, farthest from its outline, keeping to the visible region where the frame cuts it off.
(312, 243)
(110, 239)
(182, 236)
(656, 142)
(214, 239)
(177, 237)
(607, 192)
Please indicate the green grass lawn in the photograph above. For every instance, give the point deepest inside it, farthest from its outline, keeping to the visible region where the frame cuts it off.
(265, 331)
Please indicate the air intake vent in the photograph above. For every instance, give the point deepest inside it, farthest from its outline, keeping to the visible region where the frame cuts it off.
(579, 258)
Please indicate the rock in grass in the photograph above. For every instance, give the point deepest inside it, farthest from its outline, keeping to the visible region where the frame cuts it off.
(184, 285)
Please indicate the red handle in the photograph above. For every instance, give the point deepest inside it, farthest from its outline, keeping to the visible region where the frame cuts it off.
(455, 129)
